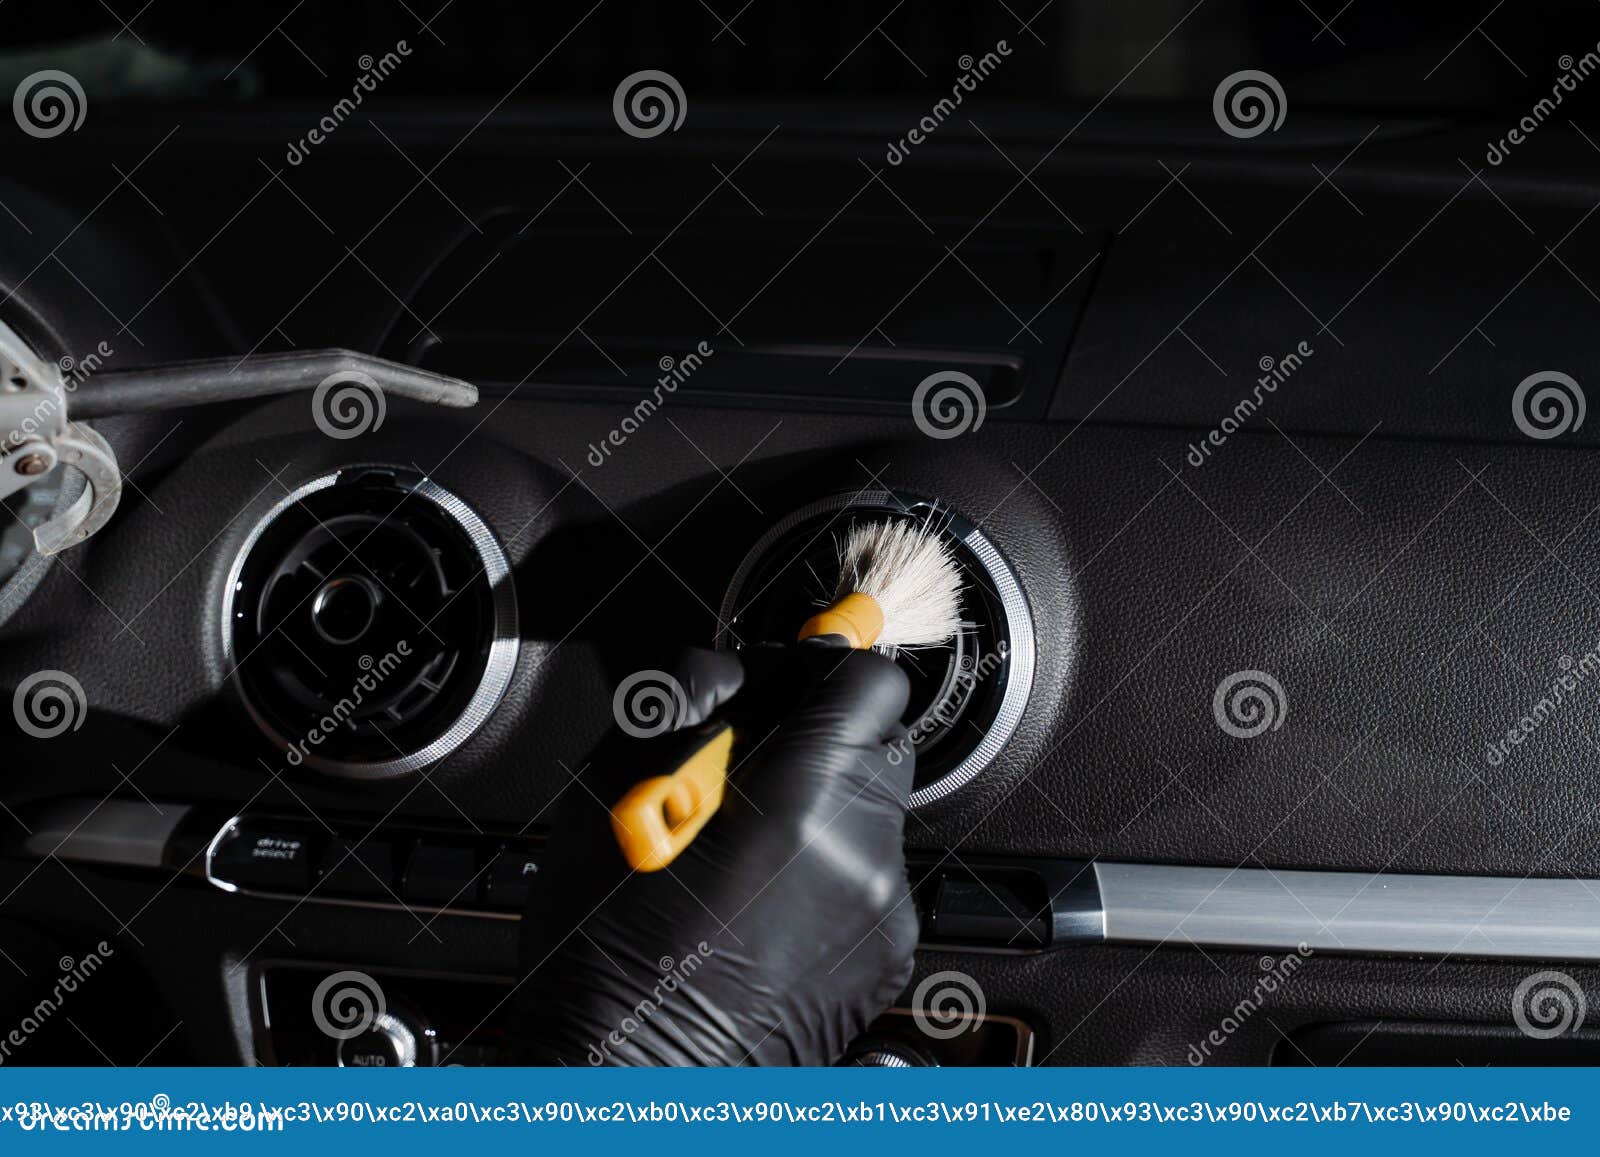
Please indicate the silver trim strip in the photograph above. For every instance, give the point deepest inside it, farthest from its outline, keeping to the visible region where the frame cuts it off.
(122, 833)
(1355, 912)
(1359, 913)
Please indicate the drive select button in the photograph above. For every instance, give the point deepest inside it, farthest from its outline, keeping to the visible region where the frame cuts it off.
(275, 859)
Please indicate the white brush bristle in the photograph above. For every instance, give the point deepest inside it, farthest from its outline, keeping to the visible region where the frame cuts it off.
(907, 568)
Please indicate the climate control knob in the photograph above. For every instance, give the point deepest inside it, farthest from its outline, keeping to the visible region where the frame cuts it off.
(881, 1053)
(388, 1043)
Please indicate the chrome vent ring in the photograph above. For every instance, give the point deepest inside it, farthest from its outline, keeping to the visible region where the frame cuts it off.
(369, 623)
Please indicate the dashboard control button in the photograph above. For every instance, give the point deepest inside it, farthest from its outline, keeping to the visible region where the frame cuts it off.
(987, 912)
(886, 1053)
(390, 1043)
(510, 877)
(362, 869)
(276, 859)
(443, 875)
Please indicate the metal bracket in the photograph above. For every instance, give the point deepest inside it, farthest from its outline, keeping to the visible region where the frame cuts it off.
(36, 435)
(81, 447)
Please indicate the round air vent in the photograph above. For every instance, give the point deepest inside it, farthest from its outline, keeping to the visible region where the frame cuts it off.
(371, 622)
(967, 697)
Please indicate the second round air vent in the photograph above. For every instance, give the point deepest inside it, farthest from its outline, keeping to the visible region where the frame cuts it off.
(371, 622)
(967, 697)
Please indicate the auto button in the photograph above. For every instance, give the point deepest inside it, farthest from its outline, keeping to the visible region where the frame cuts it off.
(388, 1043)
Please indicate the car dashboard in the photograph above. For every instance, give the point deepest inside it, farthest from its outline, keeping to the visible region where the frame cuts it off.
(1277, 606)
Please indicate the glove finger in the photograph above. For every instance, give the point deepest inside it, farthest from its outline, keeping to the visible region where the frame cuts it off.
(707, 679)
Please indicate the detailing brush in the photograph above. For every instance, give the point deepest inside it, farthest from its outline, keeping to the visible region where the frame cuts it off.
(898, 587)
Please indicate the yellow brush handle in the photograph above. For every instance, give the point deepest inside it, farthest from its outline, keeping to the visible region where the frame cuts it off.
(660, 816)
(857, 618)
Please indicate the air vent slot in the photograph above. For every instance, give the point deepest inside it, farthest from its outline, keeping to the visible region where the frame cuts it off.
(372, 621)
(805, 313)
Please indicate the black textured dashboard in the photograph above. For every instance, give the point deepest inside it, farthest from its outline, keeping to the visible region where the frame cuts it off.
(1380, 600)
(1379, 537)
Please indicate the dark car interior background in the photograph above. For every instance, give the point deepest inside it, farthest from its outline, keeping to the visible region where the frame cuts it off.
(1257, 426)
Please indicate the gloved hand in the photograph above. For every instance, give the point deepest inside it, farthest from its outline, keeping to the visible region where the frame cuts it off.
(784, 929)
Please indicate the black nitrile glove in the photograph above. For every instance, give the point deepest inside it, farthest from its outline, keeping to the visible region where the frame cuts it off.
(784, 929)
